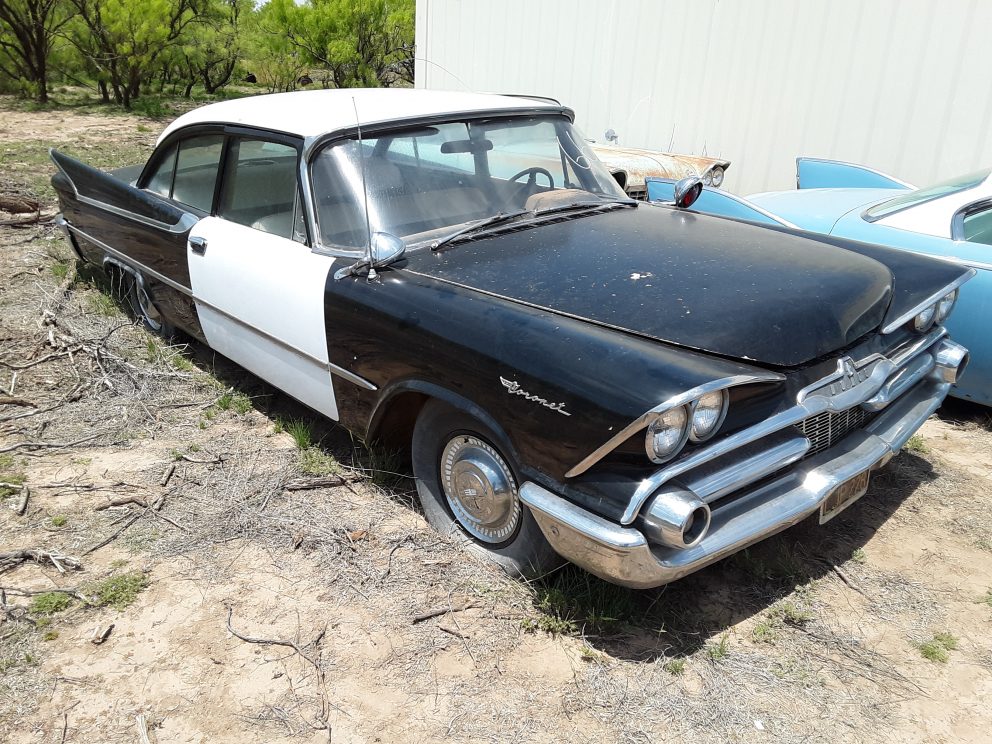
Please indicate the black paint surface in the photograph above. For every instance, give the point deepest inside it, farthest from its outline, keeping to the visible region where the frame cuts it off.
(705, 283)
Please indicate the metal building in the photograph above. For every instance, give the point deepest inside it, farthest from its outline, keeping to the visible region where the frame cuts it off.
(904, 86)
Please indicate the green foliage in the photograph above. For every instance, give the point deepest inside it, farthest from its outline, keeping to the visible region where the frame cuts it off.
(859, 556)
(719, 650)
(117, 591)
(987, 599)
(937, 648)
(50, 603)
(299, 430)
(572, 599)
(675, 667)
(60, 520)
(917, 444)
(314, 461)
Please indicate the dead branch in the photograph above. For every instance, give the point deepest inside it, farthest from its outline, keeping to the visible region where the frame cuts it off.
(452, 631)
(438, 611)
(22, 502)
(14, 558)
(99, 636)
(168, 475)
(50, 445)
(9, 400)
(71, 591)
(325, 704)
(18, 204)
(142, 725)
(307, 484)
(121, 502)
(215, 461)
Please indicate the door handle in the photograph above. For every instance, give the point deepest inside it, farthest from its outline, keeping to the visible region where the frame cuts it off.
(198, 245)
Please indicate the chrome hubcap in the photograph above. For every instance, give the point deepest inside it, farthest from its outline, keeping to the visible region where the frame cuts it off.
(480, 489)
(147, 308)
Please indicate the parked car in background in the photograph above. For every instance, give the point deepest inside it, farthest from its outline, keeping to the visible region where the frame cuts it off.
(951, 220)
(637, 389)
(630, 166)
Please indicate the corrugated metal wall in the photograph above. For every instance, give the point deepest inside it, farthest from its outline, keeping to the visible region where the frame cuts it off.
(902, 85)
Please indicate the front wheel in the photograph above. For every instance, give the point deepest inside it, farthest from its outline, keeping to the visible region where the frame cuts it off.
(468, 489)
(143, 308)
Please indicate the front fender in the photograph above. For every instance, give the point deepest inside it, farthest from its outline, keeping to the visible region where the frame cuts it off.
(557, 388)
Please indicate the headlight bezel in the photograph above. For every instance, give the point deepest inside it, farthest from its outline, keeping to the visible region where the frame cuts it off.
(717, 175)
(652, 428)
(721, 416)
(945, 305)
(924, 320)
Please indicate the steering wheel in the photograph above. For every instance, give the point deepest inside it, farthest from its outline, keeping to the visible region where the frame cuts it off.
(534, 172)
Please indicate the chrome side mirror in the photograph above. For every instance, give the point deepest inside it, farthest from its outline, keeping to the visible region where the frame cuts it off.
(385, 248)
(687, 190)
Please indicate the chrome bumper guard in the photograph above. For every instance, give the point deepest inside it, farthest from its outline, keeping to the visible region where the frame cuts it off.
(741, 517)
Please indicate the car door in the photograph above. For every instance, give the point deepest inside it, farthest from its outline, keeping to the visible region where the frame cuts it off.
(258, 288)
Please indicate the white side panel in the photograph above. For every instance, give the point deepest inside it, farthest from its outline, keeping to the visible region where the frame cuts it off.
(899, 85)
(260, 300)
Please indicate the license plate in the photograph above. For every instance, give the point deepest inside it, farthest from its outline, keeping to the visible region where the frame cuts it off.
(843, 496)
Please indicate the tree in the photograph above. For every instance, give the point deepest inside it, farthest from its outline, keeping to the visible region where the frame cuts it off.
(213, 46)
(365, 43)
(28, 29)
(123, 40)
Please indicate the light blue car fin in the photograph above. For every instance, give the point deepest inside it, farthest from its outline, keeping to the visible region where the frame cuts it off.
(714, 201)
(814, 173)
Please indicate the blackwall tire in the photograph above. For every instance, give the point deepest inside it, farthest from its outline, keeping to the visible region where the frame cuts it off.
(450, 449)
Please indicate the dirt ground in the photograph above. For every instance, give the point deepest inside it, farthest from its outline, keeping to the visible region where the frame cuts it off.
(207, 512)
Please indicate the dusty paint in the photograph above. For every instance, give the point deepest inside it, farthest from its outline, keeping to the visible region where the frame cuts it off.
(637, 164)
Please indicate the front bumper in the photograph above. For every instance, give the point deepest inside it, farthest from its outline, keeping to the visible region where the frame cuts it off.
(623, 555)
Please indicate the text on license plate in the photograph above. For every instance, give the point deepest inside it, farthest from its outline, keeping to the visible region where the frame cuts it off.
(843, 496)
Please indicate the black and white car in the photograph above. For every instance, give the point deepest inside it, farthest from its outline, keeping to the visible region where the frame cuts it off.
(640, 389)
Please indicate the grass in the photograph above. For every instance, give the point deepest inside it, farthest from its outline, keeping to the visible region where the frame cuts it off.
(675, 667)
(764, 632)
(572, 599)
(60, 520)
(314, 461)
(936, 649)
(859, 556)
(60, 270)
(232, 401)
(101, 303)
(717, 651)
(300, 431)
(50, 603)
(917, 444)
(14, 479)
(987, 599)
(118, 591)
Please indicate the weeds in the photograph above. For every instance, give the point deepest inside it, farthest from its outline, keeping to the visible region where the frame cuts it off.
(987, 599)
(675, 667)
(859, 556)
(117, 591)
(60, 520)
(572, 598)
(314, 461)
(50, 603)
(717, 651)
(60, 270)
(300, 431)
(917, 444)
(936, 649)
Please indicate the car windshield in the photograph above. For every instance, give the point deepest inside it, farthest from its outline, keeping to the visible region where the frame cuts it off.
(423, 184)
(944, 188)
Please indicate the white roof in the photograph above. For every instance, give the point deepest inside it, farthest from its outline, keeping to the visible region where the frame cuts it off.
(314, 112)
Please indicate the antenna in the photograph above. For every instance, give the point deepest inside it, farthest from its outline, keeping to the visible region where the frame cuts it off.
(365, 190)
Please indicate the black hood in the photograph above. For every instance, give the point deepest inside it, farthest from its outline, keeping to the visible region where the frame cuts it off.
(701, 282)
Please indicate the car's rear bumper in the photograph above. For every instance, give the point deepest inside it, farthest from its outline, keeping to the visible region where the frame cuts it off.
(624, 555)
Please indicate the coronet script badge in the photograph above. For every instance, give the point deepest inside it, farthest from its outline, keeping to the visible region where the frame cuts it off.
(513, 388)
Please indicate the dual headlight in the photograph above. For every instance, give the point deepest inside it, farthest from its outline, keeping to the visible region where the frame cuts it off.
(713, 177)
(938, 313)
(696, 421)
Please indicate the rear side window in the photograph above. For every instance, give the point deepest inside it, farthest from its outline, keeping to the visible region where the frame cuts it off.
(978, 226)
(260, 188)
(196, 170)
(161, 181)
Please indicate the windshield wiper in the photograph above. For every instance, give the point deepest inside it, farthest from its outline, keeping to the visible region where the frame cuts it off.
(586, 205)
(478, 225)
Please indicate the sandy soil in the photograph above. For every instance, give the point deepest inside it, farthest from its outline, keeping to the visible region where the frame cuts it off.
(812, 636)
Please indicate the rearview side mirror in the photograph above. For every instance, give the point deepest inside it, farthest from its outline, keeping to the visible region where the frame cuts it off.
(687, 191)
(385, 249)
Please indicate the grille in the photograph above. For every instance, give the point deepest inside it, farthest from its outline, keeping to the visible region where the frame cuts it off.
(641, 194)
(826, 429)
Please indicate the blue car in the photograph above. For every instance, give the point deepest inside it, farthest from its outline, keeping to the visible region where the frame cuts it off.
(950, 220)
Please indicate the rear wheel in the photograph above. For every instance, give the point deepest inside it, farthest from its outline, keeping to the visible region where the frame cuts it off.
(135, 294)
(468, 489)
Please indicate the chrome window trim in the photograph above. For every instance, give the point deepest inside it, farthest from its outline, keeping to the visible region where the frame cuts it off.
(907, 316)
(676, 400)
(330, 367)
(957, 221)
(807, 405)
